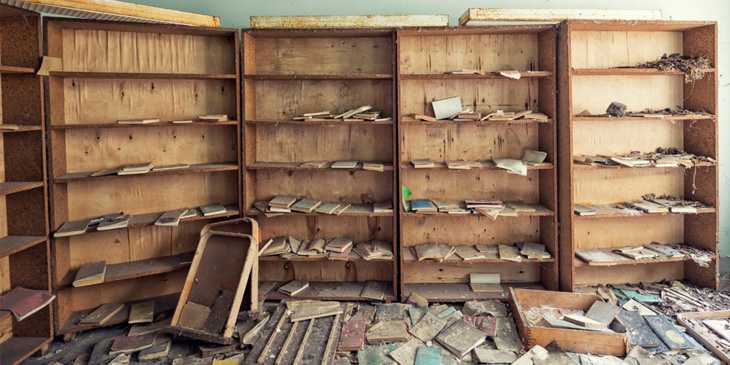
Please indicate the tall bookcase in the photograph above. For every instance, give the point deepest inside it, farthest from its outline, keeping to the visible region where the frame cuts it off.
(24, 247)
(588, 54)
(291, 72)
(424, 55)
(114, 71)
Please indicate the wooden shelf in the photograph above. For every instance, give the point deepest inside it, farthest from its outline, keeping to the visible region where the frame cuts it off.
(23, 128)
(149, 125)
(353, 257)
(140, 75)
(16, 70)
(320, 77)
(628, 71)
(488, 76)
(12, 244)
(454, 259)
(628, 261)
(137, 269)
(577, 166)
(476, 122)
(7, 188)
(323, 290)
(163, 304)
(356, 210)
(459, 292)
(442, 166)
(17, 349)
(193, 169)
(296, 166)
(642, 215)
(540, 211)
(578, 118)
(321, 122)
(148, 219)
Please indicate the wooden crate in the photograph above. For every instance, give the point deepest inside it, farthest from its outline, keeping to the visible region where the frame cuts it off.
(290, 72)
(579, 341)
(24, 247)
(113, 71)
(588, 52)
(423, 57)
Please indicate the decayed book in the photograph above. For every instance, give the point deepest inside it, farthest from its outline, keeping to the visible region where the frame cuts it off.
(118, 222)
(516, 167)
(443, 205)
(282, 201)
(532, 158)
(636, 253)
(665, 250)
(509, 253)
(457, 165)
(138, 121)
(24, 302)
(135, 169)
(423, 118)
(631, 161)
(317, 245)
(293, 287)
(344, 164)
(352, 112)
(341, 209)
(460, 338)
(537, 116)
(191, 213)
(313, 164)
(180, 166)
(373, 166)
(485, 283)
(468, 253)
(306, 250)
(276, 246)
(90, 274)
(521, 207)
(373, 290)
(72, 228)
(521, 114)
(214, 117)
(490, 212)
(339, 244)
(171, 218)
(327, 208)
(510, 74)
(294, 244)
(447, 108)
(466, 72)
(649, 207)
(383, 207)
(675, 206)
(279, 210)
(533, 250)
(106, 172)
(306, 205)
(374, 250)
(422, 163)
(434, 251)
(212, 209)
(583, 210)
(423, 206)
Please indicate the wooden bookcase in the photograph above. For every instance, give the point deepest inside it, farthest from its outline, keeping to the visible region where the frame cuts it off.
(290, 72)
(588, 52)
(114, 71)
(24, 247)
(423, 57)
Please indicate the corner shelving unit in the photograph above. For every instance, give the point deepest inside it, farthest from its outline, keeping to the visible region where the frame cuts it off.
(423, 57)
(113, 71)
(589, 52)
(24, 247)
(290, 72)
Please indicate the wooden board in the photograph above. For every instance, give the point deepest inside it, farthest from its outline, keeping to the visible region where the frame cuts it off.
(142, 312)
(349, 21)
(602, 233)
(622, 137)
(635, 91)
(476, 16)
(604, 49)
(102, 314)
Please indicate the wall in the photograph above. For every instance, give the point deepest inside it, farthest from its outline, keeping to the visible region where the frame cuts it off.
(236, 14)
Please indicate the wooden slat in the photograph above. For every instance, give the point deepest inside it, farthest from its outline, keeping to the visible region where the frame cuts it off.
(130, 75)
(17, 187)
(17, 349)
(474, 16)
(12, 244)
(321, 290)
(349, 21)
(196, 168)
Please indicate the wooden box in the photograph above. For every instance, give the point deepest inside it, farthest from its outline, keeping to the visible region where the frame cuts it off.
(615, 344)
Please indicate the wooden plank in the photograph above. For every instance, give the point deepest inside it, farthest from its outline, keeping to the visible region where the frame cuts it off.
(142, 312)
(17, 349)
(474, 16)
(193, 316)
(102, 314)
(639, 332)
(219, 312)
(12, 244)
(668, 332)
(620, 48)
(116, 10)
(6, 326)
(594, 275)
(348, 21)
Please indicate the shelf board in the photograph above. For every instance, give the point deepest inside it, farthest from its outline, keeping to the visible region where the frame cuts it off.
(459, 292)
(193, 169)
(629, 71)
(641, 215)
(149, 125)
(488, 76)
(163, 304)
(12, 244)
(476, 122)
(325, 290)
(353, 257)
(580, 263)
(148, 219)
(320, 77)
(7, 188)
(259, 165)
(17, 349)
(322, 122)
(139, 75)
(578, 118)
(16, 70)
(540, 211)
(442, 166)
(23, 128)
(137, 269)
(409, 258)
(355, 210)
(577, 166)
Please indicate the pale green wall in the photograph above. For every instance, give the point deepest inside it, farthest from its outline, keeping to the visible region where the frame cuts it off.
(236, 14)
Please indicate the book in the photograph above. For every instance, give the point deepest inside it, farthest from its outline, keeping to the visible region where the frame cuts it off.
(631, 161)
(521, 207)
(140, 168)
(532, 158)
(180, 166)
(90, 274)
(422, 163)
(316, 114)
(293, 287)
(345, 164)
(583, 210)
(139, 121)
(327, 208)
(532, 250)
(509, 253)
(118, 222)
(305, 249)
(468, 253)
(447, 108)
(373, 166)
(460, 338)
(23, 302)
(383, 207)
(512, 166)
(339, 244)
(468, 116)
(313, 164)
(352, 112)
(279, 210)
(171, 218)
(485, 283)
(214, 117)
(483, 203)
(212, 209)
(457, 165)
(537, 116)
(317, 245)
(306, 205)
(466, 72)
(424, 118)
(73, 228)
(277, 246)
(510, 74)
(186, 121)
(282, 201)
(106, 172)
(520, 114)
(341, 209)
(423, 206)
(649, 207)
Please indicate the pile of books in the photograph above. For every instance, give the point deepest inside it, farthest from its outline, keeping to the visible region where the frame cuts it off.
(374, 249)
(519, 251)
(648, 204)
(362, 113)
(513, 166)
(338, 248)
(345, 164)
(288, 204)
(670, 157)
(488, 207)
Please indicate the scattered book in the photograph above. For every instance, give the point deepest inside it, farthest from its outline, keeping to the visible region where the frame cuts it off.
(214, 118)
(306, 205)
(345, 164)
(422, 163)
(383, 207)
(460, 338)
(171, 218)
(140, 168)
(139, 121)
(282, 201)
(339, 244)
(457, 165)
(521, 114)
(90, 274)
(485, 283)
(583, 210)
(73, 228)
(313, 164)
(24, 302)
(373, 166)
(212, 209)
(180, 166)
(327, 208)
(447, 108)
(293, 287)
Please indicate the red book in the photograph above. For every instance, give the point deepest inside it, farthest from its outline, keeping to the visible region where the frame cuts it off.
(352, 336)
(24, 302)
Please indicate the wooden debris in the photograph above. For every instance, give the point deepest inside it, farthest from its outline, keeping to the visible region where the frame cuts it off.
(668, 332)
(142, 312)
(640, 334)
(316, 310)
(219, 312)
(428, 327)
(193, 316)
(128, 345)
(388, 332)
(154, 327)
(352, 336)
(155, 352)
(632, 305)
(122, 359)
(102, 314)
(100, 353)
(602, 312)
(488, 356)
(506, 337)
(249, 334)
(405, 354)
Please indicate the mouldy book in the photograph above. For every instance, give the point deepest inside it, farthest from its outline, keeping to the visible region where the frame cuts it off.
(118, 222)
(90, 274)
(24, 302)
(344, 164)
(212, 209)
(282, 201)
(339, 244)
(447, 108)
(306, 205)
(171, 218)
